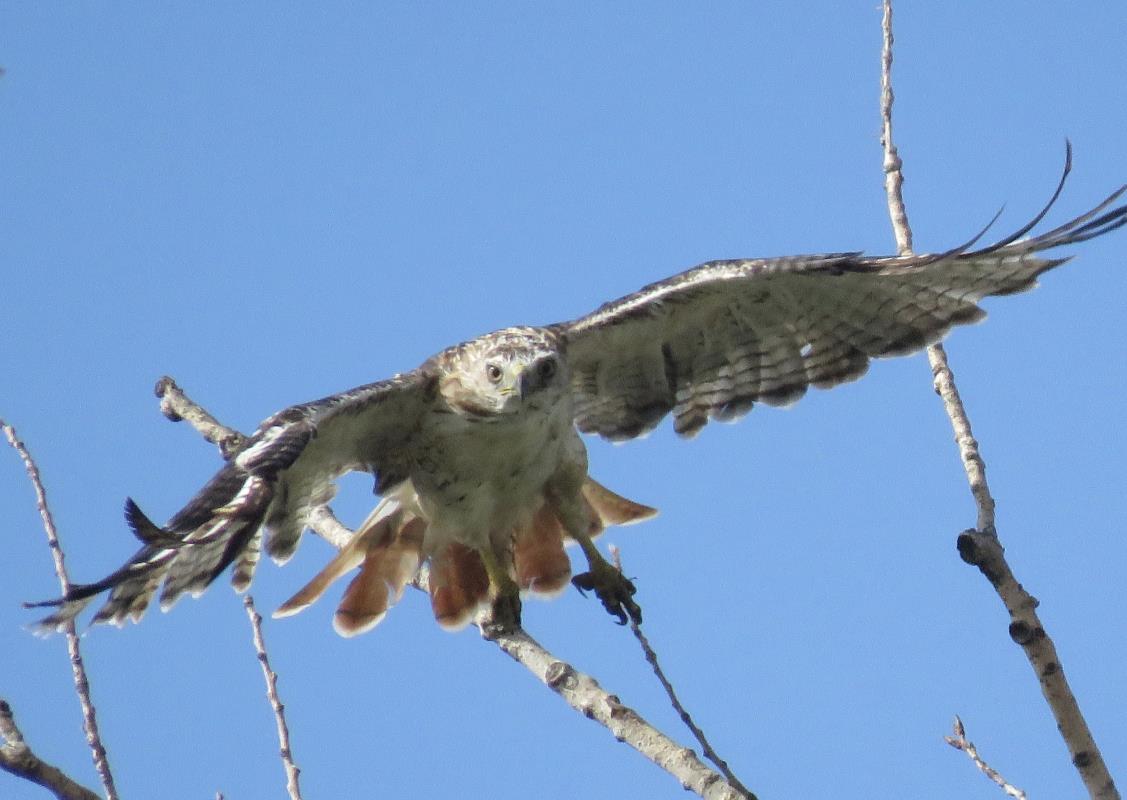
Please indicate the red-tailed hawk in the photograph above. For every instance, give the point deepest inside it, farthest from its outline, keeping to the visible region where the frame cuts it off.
(477, 453)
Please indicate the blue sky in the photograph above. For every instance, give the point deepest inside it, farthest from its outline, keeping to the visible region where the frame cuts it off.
(271, 203)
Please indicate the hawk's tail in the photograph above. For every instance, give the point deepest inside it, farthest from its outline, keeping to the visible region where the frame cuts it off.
(459, 585)
(539, 562)
(388, 548)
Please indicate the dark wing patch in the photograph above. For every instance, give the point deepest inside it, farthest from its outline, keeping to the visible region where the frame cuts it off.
(285, 469)
(713, 341)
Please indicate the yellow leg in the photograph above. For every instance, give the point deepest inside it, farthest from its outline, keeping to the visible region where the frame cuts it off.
(506, 594)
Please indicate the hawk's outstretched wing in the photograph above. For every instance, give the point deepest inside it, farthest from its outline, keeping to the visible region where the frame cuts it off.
(713, 341)
(285, 469)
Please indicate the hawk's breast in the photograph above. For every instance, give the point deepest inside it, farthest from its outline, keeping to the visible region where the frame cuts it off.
(476, 478)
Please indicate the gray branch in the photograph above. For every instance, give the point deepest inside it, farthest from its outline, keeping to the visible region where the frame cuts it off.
(583, 693)
(176, 406)
(981, 546)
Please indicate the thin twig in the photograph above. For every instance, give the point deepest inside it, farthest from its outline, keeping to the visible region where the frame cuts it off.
(959, 742)
(17, 758)
(981, 546)
(698, 734)
(577, 689)
(271, 677)
(78, 668)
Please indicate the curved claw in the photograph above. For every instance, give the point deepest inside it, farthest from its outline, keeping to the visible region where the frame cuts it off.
(614, 590)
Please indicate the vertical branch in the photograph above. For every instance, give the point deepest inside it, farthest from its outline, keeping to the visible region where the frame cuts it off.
(78, 668)
(292, 771)
(893, 166)
(981, 547)
(943, 380)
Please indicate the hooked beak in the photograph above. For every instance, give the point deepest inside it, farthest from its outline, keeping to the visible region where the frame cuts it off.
(531, 380)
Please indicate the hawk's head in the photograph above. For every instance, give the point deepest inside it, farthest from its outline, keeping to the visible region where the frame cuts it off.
(504, 373)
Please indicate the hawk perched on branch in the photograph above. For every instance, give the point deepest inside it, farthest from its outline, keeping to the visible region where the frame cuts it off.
(477, 453)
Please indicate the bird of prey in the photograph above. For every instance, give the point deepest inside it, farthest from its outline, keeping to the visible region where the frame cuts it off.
(477, 453)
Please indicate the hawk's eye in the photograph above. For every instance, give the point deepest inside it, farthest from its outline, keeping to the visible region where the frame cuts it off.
(493, 372)
(547, 368)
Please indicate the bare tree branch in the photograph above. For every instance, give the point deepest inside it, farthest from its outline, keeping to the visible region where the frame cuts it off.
(78, 668)
(959, 742)
(271, 677)
(17, 758)
(583, 693)
(981, 546)
(578, 690)
(893, 166)
(943, 379)
(323, 522)
(176, 406)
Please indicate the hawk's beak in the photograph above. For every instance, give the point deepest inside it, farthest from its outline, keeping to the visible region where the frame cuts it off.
(530, 381)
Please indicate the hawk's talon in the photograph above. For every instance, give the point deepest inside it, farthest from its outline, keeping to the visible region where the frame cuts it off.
(504, 615)
(614, 590)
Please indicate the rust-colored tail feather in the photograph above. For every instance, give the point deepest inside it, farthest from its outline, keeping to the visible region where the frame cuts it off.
(385, 571)
(351, 555)
(378, 530)
(542, 566)
(458, 585)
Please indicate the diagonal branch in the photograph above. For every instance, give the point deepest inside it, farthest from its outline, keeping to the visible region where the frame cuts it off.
(78, 668)
(17, 758)
(176, 406)
(583, 693)
(981, 546)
